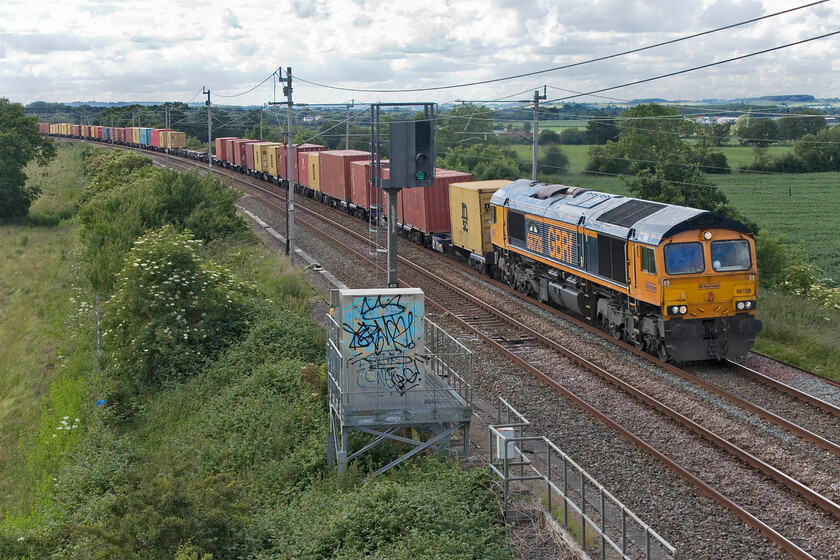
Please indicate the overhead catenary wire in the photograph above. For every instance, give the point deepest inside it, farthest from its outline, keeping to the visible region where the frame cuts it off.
(570, 65)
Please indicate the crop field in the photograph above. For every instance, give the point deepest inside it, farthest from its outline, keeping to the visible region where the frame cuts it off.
(802, 208)
(739, 156)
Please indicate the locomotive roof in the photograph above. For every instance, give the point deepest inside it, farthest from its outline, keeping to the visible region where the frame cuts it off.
(610, 214)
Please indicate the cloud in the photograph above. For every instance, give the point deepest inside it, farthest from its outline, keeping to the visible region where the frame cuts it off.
(44, 43)
(230, 18)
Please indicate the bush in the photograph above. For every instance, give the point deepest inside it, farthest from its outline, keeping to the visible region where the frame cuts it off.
(155, 512)
(573, 136)
(116, 216)
(430, 508)
(109, 169)
(170, 315)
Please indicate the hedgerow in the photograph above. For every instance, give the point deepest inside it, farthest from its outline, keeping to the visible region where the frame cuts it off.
(171, 313)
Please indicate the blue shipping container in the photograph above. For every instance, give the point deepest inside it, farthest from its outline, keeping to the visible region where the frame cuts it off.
(107, 135)
(145, 136)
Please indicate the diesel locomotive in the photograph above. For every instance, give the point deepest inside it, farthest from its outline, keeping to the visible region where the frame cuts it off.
(676, 281)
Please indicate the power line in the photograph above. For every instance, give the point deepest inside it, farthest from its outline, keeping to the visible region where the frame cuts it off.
(687, 70)
(572, 65)
(250, 90)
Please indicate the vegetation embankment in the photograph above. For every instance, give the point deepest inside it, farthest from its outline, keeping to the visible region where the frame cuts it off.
(200, 430)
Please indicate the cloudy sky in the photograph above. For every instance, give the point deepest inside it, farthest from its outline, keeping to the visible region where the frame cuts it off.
(92, 50)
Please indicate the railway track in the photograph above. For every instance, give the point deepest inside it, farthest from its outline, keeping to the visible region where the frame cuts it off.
(539, 352)
(544, 356)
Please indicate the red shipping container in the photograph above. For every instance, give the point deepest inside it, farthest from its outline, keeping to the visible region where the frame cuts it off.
(246, 151)
(427, 208)
(77, 130)
(155, 137)
(221, 153)
(335, 172)
(228, 150)
(282, 162)
(362, 193)
(44, 128)
(301, 175)
(240, 152)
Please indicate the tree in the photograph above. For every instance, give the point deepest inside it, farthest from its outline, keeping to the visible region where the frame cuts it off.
(484, 162)
(821, 151)
(794, 127)
(555, 160)
(601, 129)
(573, 136)
(548, 136)
(20, 143)
(760, 132)
(718, 133)
(647, 134)
(465, 125)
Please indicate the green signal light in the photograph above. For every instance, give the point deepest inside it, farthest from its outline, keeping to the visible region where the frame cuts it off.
(421, 175)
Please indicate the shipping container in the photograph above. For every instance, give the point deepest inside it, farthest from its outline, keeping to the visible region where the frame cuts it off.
(362, 193)
(44, 128)
(248, 151)
(469, 215)
(427, 208)
(240, 151)
(260, 163)
(268, 157)
(274, 160)
(335, 172)
(301, 173)
(155, 136)
(313, 166)
(135, 135)
(175, 139)
(221, 152)
(228, 146)
(107, 133)
(100, 132)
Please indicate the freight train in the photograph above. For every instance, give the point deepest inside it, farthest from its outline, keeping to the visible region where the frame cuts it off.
(678, 282)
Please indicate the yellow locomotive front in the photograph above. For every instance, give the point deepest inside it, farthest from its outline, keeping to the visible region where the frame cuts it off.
(709, 289)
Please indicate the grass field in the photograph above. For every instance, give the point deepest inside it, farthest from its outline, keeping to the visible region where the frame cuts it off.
(37, 300)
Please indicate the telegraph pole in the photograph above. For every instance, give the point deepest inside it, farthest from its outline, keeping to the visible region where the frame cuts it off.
(206, 92)
(261, 117)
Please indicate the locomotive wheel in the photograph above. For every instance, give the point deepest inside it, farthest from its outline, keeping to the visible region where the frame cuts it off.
(639, 341)
(662, 352)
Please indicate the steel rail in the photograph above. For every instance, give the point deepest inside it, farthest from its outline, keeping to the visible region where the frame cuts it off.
(784, 388)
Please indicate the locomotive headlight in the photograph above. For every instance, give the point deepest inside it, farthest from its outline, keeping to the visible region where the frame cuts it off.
(683, 309)
(740, 306)
(748, 304)
(707, 235)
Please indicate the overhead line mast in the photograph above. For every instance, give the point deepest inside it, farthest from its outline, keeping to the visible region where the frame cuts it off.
(206, 92)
